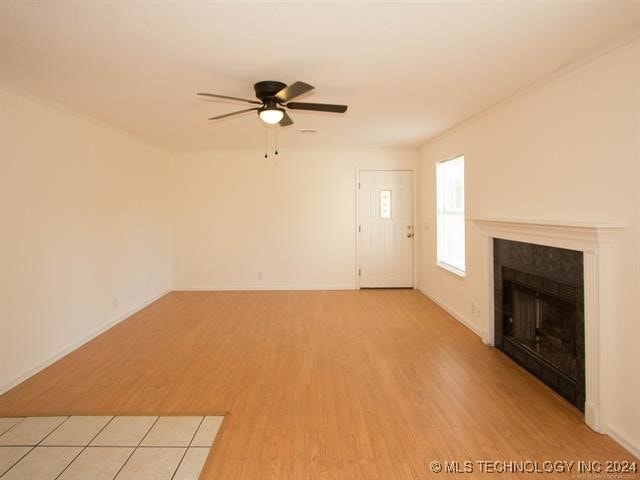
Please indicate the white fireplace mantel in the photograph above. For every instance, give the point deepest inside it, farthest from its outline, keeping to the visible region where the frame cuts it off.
(595, 241)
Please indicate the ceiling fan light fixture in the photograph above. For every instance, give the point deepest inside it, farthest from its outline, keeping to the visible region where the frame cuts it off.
(272, 97)
(272, 115)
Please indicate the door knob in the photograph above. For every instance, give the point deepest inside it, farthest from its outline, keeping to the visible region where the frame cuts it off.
(409, 235)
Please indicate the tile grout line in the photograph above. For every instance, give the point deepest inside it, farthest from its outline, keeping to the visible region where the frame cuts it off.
(136, 447)
(14, 425)
(213, 441)
(49, 434)
(141, 447)
(86, 446)
(33, 447)
(188, 446)
(25, 454)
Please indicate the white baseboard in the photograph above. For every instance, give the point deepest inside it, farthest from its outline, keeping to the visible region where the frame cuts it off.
(68, 349)
(226, 288)
(592, 417)
(612, 432)
(624, 442)
(453, 313)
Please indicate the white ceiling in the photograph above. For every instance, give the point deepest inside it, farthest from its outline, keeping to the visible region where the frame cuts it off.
(408, 71)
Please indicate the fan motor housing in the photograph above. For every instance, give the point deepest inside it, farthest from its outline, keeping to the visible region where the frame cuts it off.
(268, 89)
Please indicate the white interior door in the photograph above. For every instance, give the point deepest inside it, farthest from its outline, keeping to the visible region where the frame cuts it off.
(385, 228)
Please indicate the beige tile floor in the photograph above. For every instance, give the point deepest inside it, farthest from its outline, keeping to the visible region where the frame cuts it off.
(106, 447)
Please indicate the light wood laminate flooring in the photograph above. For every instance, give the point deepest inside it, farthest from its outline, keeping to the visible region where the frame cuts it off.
(366, 385)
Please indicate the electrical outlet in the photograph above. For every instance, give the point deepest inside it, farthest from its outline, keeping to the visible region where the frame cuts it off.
(259, 274)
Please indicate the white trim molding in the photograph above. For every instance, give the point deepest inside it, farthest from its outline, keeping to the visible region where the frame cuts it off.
(452, 312)
(594, 240)
(78, 343)
(624, 441)
(264, 288)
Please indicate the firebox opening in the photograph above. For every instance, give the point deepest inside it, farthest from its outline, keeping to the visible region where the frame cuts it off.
(541, 318)
(543, 326)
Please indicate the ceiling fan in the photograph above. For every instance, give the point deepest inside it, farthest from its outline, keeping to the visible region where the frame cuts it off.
(274, 97)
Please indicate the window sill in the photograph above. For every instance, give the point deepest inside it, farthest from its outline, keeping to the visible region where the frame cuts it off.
(450, 269)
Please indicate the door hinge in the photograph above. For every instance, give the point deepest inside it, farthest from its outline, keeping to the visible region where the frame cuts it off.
(359, 228)
(358, 185)
(359, 272)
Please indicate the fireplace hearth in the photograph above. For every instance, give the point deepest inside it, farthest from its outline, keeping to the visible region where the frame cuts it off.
(539, 304)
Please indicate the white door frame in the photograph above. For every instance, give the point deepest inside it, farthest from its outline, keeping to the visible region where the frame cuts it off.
(414, 219)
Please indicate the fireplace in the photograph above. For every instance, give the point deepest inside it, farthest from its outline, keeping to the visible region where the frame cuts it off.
(591, 243)
(539, 312)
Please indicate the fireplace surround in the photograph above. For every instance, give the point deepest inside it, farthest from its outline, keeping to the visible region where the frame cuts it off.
(596, 241)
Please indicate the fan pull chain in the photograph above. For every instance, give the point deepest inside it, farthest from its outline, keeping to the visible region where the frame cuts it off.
(266, 132)
(276, 152)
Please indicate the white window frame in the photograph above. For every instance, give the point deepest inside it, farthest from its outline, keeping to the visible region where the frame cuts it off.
(441, 234)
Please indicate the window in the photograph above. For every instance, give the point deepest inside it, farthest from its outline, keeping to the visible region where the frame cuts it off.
(450, 198)
(385, 203)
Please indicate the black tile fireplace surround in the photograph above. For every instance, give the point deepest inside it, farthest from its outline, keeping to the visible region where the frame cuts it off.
(539, 313)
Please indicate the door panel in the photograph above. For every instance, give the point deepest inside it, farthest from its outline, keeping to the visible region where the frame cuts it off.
(386, 228)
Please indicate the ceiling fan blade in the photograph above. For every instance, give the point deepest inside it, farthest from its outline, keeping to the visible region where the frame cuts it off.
(225, 97)
(286, 120)
(234, 113)
(292, 91)
(318, 107)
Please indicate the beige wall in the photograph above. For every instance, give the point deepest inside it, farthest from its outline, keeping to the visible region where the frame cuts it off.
(567, 150)
(84, 234)
(292, 219)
